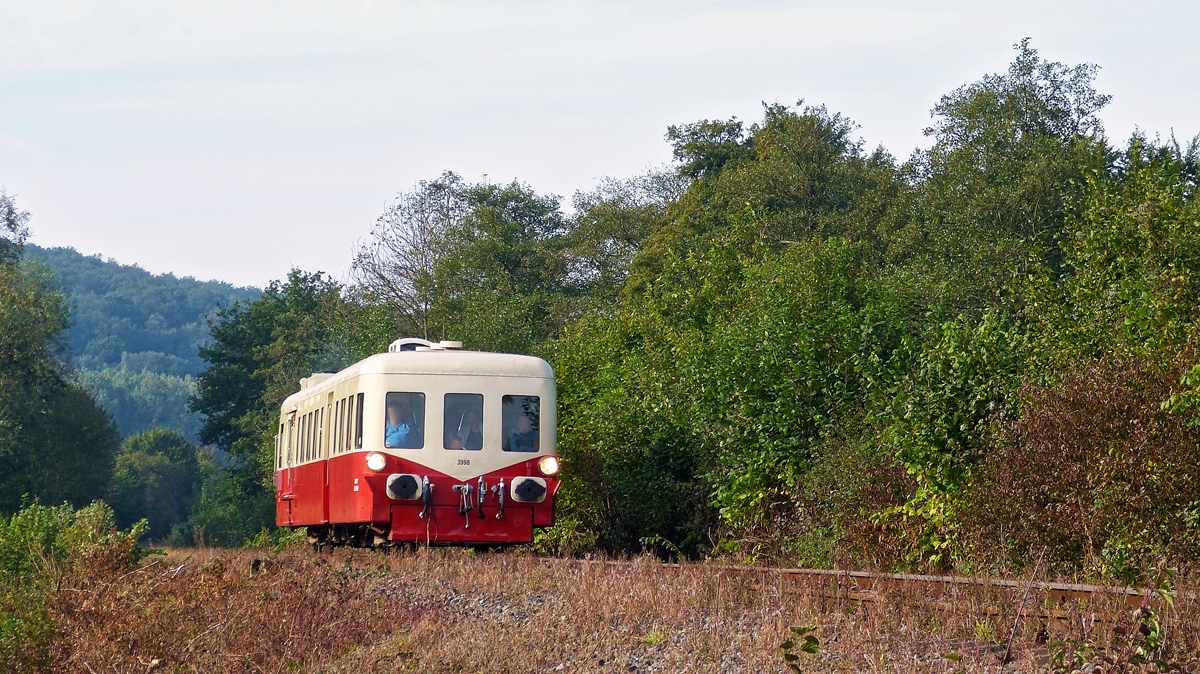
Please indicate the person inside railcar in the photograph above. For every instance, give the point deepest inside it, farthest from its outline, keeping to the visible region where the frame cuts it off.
(403, 428)
(471, 430)
(523, 438)
(462, 424)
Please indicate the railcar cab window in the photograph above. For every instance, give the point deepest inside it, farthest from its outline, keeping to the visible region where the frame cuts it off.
(463, 422)
(521, 428)
(404, 423)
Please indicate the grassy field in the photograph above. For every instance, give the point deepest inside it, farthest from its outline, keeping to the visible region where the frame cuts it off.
(218, 610)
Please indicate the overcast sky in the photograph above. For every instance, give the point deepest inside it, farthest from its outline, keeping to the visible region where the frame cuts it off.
(235, 140)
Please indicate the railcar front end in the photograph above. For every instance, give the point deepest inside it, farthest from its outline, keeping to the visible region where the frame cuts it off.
(424, 444)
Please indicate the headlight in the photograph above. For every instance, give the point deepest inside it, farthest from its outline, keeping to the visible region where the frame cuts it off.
(548, 465)
(376, 461)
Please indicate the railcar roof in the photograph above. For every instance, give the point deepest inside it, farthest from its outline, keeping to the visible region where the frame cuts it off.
(448, 362)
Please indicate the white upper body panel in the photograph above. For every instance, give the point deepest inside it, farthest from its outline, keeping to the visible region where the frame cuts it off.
(435, 374)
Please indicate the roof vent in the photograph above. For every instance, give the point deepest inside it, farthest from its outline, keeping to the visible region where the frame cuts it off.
(314, 379)
(450, 345)
(408, 344)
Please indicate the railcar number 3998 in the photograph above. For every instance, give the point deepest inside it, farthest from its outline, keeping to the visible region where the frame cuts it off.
(373, 455)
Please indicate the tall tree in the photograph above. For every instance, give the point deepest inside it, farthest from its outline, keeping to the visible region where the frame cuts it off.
(259, 352)
(486, 264)
(56, 444)
(398, 265)
(158, 477)
(1010, 152)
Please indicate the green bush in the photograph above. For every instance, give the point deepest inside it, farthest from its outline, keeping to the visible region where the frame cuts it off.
(39, 547)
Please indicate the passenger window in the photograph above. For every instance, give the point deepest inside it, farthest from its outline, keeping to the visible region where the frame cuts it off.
(303, 439)
(334, 425)
(404, 421)
(320, 446)
(358, 419)
(350, 424)
(520, 423)
(462, 426)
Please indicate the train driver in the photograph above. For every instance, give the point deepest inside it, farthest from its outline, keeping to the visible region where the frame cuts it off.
(401, 432)
(523, 438)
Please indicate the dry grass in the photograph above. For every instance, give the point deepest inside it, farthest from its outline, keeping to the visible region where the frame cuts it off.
(208, 610)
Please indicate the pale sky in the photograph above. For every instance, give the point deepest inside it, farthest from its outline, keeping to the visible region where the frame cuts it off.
(235, 140)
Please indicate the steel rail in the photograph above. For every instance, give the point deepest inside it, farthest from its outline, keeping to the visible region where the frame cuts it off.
(862, 582)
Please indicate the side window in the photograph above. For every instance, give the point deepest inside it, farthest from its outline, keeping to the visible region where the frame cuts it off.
(350, 423)
(358, 418)
(334, 420)
(520, 428)
(309, 433)
(462, 426)
(303, 441)
(320, 446)
(404, 421)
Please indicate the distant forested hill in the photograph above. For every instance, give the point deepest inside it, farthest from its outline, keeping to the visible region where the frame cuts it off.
(134, 335)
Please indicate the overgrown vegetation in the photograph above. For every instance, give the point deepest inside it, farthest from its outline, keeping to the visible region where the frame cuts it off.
(42, 551)
(450, 610)
(790, 348)
(786, 347)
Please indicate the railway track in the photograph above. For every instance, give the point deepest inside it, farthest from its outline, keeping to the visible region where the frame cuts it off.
(1046, 600)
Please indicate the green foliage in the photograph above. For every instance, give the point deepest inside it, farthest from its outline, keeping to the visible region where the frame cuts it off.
(144, 399)
(122, 311)
(158, 478)
(39, 545)
(802, 640)
(259, 352)
(1010, 152)
(791, 348)
(14, 228)
(962, 381)
(134, 335)
(1134, 247)
(55, 442)
(704, 148)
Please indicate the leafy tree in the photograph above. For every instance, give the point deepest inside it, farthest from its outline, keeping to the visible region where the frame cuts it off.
(609, 226)
(13, 228)
(157, 478)
(484, 264)
(704, 148)
(504, 284)
(259, 352)
(55, 443)
(399, 264)
(1010, 152)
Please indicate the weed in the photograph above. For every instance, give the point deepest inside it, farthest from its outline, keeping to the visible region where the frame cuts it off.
(803, 640)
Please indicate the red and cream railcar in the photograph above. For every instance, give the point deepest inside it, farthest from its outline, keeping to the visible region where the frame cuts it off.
(425, 443)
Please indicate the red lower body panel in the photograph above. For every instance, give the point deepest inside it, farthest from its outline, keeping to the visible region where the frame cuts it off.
(343, 491)
(447, 525)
